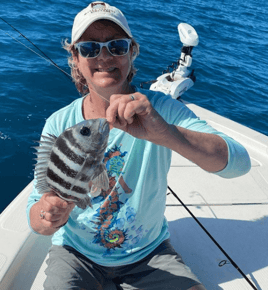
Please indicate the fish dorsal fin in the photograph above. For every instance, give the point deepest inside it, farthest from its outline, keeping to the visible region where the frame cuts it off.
(43, 156)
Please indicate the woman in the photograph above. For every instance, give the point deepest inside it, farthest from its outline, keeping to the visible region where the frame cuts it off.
(124, 237)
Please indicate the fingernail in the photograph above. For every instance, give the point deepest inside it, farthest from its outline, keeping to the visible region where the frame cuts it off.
(130, 121)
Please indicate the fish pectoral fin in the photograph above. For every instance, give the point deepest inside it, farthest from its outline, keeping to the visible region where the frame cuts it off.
(95, 191)
(102, 180)
(99, 183)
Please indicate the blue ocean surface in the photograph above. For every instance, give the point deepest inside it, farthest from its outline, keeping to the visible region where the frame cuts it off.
(230, 62)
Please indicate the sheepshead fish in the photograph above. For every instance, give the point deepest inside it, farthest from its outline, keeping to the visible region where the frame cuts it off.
(72, 165)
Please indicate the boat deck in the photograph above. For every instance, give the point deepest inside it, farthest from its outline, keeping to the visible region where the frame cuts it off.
(234, 211)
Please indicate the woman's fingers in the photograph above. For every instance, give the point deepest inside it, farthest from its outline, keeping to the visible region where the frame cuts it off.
(123, 107)
(55, 211)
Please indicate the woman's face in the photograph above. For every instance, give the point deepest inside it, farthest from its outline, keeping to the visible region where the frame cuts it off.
(105, 72)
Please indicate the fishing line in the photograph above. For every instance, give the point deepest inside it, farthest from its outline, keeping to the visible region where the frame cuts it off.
(193, 216)
(215, 242)
(46, 58)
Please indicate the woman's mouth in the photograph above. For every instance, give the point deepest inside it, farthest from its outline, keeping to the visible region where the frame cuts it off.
(109, 69)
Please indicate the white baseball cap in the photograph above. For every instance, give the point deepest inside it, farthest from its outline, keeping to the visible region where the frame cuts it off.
(96, 11)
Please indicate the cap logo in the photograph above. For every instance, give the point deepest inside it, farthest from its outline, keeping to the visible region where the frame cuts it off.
(99, 7)
(101, 10)
(97, 4)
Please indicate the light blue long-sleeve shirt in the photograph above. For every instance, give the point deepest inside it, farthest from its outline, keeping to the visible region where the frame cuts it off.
(127, 222)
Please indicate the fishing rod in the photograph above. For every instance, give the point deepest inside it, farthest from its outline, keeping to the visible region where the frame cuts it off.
(175, 195)
(221, 204)
(214, 241)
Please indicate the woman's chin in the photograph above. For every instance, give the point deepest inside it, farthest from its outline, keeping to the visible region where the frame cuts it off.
(107, 83)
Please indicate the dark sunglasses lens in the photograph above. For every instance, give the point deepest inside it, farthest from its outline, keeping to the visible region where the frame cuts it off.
(118, 47)
(90, 49)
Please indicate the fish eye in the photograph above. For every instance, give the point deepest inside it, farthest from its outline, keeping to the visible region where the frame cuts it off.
(85, 131)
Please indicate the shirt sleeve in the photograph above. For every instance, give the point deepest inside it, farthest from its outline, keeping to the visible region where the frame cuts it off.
(177, 113)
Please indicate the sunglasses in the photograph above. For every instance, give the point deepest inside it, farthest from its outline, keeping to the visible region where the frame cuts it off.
(92, 49)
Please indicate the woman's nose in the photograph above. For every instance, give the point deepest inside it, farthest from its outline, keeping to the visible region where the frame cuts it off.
(105, 54)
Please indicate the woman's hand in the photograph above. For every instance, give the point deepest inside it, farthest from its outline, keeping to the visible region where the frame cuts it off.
(135, 115)
(50, 213)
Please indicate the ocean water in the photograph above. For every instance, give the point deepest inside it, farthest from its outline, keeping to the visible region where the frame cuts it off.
(230, 62)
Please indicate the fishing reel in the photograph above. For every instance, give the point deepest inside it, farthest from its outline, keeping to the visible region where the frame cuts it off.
(180, 80)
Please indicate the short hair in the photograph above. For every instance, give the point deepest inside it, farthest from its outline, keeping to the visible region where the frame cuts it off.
(78, 78)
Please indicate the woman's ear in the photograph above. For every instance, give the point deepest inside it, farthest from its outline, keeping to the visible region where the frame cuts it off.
(133, 52)
(75, 58)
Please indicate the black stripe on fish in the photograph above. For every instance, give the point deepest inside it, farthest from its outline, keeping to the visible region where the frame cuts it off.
(63, 194)
(95, 167)
(79, 189)
(63, 147)
(90, 162)
(62, 166)
(68, 134)
(85, 178)
(54, 177)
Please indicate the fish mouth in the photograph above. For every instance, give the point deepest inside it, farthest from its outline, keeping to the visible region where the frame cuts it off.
(105, 126)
